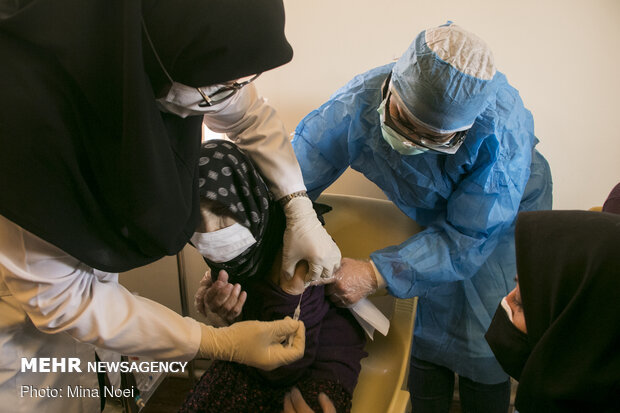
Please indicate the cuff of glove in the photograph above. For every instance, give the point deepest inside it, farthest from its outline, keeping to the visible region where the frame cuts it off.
(214, 344)
(381, 284)
(298, 208)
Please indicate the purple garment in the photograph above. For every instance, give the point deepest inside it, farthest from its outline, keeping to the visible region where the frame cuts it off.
(331, 362)
(334, 340)
(612, 203)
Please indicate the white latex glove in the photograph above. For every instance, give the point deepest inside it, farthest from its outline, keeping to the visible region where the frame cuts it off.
(255, 343)
(306, 239)
(295, 403)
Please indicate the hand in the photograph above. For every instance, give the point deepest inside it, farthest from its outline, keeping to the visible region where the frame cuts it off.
(306, 239)
(295, 403)
(220, 297)
(296, 284)
(355, 279)
(255, 343)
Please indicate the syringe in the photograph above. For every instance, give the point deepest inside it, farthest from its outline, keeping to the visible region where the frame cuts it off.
(297, 312)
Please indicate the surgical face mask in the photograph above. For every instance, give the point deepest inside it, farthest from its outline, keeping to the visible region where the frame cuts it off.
(184, 101)
(225, 244)
(396, 142)
(509, 344)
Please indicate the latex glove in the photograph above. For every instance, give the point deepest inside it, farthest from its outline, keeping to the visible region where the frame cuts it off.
(295, 285)
(355, 279)
(306, 239)
(254, 343)
(220, 297)
(295, 403)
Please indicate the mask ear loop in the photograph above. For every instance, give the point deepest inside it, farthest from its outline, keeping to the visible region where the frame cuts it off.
(148, 38)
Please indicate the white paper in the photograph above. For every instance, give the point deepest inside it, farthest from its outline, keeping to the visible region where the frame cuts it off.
(370, 317)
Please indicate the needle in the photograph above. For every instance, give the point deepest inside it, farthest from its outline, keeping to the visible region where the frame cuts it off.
(298, 308)
(297, 312)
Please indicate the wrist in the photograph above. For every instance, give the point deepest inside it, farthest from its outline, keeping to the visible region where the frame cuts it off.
(298, 208)
(288, 198)
(381, 284)
(206, 341)
(213, 343)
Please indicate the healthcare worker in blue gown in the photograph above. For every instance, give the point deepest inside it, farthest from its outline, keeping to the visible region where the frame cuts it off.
(449, 141)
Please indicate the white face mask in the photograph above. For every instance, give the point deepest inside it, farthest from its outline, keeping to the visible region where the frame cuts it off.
(397, 142)
(184, 101)
(224, 244)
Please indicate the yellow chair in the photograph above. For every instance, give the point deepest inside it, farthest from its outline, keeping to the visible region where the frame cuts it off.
(360, 226)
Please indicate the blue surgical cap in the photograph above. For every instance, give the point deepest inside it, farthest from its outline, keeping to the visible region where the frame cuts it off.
(444, 78)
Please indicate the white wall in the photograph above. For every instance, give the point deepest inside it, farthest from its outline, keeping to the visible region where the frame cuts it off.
(563, 57)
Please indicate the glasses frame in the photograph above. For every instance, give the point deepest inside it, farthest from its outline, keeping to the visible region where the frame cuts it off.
(409, 134)
(208, 100)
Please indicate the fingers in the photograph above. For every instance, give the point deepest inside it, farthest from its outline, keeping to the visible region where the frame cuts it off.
(326, 404)
(327, 272)
(201, 292)
(333, 290)
(335, 295)
(236, 311)
(355, 279)
(285, 327)
(298, 402)
(288, 269)
(223, 276)
(217, 295)
(199, 302)
(314, 272)
(338, 302)
(281, 354)
(206, 280)
(299, 342)
(324, 281)
(294, 403)
(288, 404)
(222, 298)
(227, 310)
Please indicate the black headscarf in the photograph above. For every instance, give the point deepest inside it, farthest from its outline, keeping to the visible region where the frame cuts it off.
(228, 178)
(87, 162)
(569, 275)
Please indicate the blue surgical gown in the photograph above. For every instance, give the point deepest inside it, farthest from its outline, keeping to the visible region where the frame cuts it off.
(463, 262)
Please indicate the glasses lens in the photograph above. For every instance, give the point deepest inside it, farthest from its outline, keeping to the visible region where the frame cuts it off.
(222, 94)
(445, 144)
(245, 80)
(226, 91)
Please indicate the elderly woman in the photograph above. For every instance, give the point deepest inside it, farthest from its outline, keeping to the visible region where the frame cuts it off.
(334, 342)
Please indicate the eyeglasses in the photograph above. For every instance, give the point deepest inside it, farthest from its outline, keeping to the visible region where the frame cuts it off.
(214, 98)
(225, 92)
(448, 144)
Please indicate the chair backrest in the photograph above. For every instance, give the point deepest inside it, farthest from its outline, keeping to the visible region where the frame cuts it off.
(360, 226)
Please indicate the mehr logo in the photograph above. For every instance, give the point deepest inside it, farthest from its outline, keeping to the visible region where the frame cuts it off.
(51, 365)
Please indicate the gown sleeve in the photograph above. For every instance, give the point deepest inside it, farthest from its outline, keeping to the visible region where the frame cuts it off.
(320, 144)
(60, 294)
(457, 243)
(254, 126)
